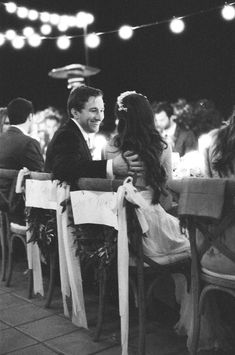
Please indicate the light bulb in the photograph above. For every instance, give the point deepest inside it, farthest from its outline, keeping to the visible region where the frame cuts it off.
(177, 25)
(34, 40)
(33, 15)
(90, 18)
(54, 19)
(11, 7)
(63, 42)
(125, 32)
(45, 29)
(22, 12)
(28, 31)
(228, 12)
(18, 42)
(10, 34)
(92, 40)
(45, 16)
(81, 18)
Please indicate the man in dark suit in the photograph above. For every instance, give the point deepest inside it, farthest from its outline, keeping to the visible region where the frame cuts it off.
(17, 148)
(68, 156)
(176, 133)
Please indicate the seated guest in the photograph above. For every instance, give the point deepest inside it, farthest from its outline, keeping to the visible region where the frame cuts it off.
(17, 148)
(219, 155)
(219, 158)
(219, 162)
(173, 129)
(68, 154)
(205, 117)
(136, 133)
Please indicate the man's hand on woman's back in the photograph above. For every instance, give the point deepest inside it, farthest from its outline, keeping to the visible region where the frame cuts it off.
(128, 164)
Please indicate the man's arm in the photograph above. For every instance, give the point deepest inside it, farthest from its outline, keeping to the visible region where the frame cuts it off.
(69, 160)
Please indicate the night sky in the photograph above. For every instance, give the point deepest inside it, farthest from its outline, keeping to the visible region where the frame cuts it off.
(199, 63)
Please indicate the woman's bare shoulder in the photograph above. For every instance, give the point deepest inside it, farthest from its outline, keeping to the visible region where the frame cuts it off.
(110, 151)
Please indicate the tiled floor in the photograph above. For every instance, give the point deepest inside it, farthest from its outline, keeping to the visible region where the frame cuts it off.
(27, 328)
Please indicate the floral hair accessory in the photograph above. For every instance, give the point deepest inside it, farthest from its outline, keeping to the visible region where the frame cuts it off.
(120, 98)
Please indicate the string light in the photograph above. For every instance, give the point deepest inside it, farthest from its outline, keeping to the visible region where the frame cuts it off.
(82, 20)
(62, 27)
(34, 40)
(228, 12)
(125, 32)
(92, 40)
(44, 16)
(177, 25)
(45, 29)
(22, 12)
(28, 31)
(10, 34)
(33, 15)
(63, 42)
(11, 7)
(18, 42)
(54, 19)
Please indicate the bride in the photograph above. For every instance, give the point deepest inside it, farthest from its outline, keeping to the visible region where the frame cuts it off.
(136, 133)
(164, 243)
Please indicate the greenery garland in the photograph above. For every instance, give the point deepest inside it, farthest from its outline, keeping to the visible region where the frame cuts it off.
(95, 244)
(43, 227)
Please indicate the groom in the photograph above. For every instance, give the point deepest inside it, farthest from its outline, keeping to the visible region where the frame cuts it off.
(68, 156)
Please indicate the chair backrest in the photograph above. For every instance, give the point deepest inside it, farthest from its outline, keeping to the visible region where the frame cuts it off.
(97, 184)
(7, 188)
(212, 227)
(40, 176)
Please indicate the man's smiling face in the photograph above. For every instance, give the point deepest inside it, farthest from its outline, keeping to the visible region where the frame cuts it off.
(91, 116)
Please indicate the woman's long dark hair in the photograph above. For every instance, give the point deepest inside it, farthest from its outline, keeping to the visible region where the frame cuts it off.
(224, 150)
(137, 133)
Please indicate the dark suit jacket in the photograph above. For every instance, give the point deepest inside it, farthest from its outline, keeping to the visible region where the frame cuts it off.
(68, 156)
(17, 151)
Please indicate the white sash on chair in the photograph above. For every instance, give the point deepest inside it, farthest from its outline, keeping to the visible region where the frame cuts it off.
(128, 191)
(70, 271)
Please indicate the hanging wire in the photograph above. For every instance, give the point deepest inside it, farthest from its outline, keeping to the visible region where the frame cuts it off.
(137, 27)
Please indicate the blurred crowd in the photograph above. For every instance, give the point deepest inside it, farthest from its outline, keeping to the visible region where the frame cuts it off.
(184, 125)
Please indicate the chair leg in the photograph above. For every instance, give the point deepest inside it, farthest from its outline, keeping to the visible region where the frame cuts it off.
(30, 283)
(10, 262)
(133, 288)
(3, 251)
(141, 309)
(102, 292)
(51, 287)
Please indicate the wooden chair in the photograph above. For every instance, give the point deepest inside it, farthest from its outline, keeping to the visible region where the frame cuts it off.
(144, 291)
(19, 232)
(106, 185)
(6, 177)
(205, 282)
(135, 236)
(15, 232)
(53, 255)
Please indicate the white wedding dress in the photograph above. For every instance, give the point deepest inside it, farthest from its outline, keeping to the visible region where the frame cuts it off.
(164, 243)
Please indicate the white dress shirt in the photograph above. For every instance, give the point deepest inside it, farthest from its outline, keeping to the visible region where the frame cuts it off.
(89, 138)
